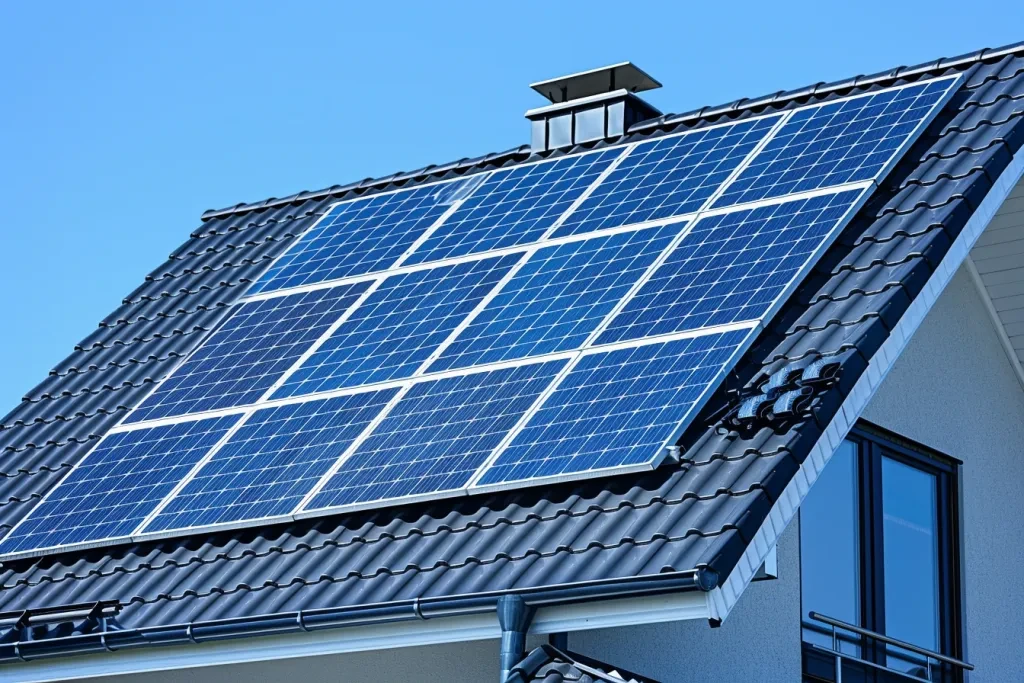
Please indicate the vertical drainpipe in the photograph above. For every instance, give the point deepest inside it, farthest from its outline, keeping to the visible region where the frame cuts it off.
(514, 617)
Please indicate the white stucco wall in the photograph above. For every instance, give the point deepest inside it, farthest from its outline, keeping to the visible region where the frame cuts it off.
(953, 390)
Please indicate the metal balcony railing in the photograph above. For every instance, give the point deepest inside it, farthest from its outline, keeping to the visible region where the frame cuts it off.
(928, 655)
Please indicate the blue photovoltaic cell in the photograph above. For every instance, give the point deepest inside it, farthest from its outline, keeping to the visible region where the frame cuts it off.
(557, 299)
(842, 142)
(272, 461)
(730, 267)
(361, 236)
(248, 353)
(117, 485)
(514, 206)
(615, 409)
(397, 327)
(667, 176)
(437, 435)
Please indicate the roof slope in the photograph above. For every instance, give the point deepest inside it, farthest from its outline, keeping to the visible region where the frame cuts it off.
(702, 513)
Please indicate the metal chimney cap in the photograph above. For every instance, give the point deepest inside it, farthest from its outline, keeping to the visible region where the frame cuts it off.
(621, 76)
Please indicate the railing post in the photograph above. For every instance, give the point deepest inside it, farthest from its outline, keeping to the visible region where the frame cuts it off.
(839, 660)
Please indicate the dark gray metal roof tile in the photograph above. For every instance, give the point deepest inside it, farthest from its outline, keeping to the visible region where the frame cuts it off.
(702, 512)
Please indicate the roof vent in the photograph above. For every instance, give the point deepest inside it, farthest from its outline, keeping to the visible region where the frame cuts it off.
(590, 105)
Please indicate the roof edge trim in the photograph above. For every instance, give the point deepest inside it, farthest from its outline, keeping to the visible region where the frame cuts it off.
(574, 598)
(722, 598)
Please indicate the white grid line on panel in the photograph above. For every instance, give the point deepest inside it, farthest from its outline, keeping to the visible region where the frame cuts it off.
(692, 218)
(698, 404)
(85, 545)
(194, 471)
(528, 415)
(330, 208)
(321, 341)
(571, 356)
(589, 191)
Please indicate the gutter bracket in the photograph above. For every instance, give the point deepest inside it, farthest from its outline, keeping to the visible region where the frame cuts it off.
(514, 617)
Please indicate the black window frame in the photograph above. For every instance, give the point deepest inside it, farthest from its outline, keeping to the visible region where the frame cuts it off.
(872, 443)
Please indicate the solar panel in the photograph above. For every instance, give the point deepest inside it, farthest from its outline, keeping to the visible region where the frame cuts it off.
(436, 436)
(271, 462)
(117, 485)
(839, 142)
(514, 206)
(388, 377)
(557, 299)
(360, 236)
(731, 267)
(398, 326)
(616, 410)
(243, 359)
(668, 176)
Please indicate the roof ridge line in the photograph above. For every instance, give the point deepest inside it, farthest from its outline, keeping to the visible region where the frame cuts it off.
(665, 121)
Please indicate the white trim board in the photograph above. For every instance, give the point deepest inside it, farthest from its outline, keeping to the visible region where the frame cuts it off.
(721, 600)
(997, 323)
(681, 606)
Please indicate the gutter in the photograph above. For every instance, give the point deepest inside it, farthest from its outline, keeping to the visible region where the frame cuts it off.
(113, 639)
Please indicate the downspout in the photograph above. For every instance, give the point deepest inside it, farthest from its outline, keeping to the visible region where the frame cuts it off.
(514, 617)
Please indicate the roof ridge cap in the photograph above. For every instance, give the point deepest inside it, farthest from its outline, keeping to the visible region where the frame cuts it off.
(777, 98)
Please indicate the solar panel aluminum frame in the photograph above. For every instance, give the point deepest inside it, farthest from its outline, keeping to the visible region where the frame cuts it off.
(756, 327)
(378, 277)
(477, 181)
(299, 513)
(473, 182)
(687, 220)
(116, 540)
(898, 153)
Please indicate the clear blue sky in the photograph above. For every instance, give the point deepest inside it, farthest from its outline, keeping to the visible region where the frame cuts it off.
(120, 123)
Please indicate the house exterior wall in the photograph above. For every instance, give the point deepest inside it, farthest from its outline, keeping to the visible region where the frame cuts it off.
(967, 403)
(952, 390)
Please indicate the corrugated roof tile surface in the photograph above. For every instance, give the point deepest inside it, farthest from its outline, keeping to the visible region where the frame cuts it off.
(701, 513)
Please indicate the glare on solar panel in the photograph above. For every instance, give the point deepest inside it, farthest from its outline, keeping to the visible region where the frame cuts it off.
(117, 485)
(394, 331)
(616, 409)
(668, 176)
(244, 357)
(731, 267)
(845, 141)
(271, 462)
(436, 436)
(360, 236)
(514, 206)
(573, 413)
(557, 299)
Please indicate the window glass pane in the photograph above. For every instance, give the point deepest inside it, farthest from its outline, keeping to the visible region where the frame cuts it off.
(539, 134)
(590, 124)
(560, 131)
(829, 548)
(911, 559)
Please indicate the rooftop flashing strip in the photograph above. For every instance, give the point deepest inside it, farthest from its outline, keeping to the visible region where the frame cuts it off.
(624, 76)
(576, 104)
(380, 614)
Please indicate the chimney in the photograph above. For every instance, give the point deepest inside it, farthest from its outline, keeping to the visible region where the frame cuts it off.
(590, 105)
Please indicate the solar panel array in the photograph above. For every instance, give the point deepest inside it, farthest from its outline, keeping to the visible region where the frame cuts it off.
(553, 320)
